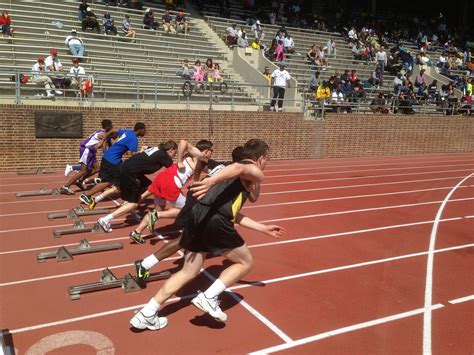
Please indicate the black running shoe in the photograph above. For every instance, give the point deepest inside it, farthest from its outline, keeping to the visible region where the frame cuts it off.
(142, 273)
(136, 237)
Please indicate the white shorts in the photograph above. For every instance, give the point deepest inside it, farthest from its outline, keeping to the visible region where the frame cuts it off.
(178, 203)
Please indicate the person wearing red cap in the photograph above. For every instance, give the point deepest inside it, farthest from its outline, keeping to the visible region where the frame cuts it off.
(181, 23)
(77, 74)
(53, 65)
(39, 77)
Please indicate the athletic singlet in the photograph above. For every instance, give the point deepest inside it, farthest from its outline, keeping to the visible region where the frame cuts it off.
(182, 177)
(92, 140)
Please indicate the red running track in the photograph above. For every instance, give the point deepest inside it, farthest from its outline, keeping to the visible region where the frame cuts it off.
(378, 258)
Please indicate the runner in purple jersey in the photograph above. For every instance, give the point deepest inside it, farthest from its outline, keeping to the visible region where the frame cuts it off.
(88, 159)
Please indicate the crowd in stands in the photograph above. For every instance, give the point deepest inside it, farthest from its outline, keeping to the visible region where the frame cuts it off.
(209, 72)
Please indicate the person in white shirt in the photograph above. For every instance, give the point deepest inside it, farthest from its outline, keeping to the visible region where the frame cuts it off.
(53, 64)
(280, 78)
(352, 35)
(75, 44)
(288, 44)
(381, 57)
(39, 77)
(257, 29)
(77, 74)
(338, 102)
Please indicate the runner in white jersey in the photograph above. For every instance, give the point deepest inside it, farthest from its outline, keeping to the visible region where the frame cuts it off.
(87, 157)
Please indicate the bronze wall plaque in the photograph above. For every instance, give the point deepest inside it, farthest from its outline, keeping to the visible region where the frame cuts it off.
(58, 124)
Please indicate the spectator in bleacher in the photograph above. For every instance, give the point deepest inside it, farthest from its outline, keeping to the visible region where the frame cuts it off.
(215, 76)
(352, 35)
(314, 82)
(311, 55)
(465, 108)
(280, 81)
(242, 40)
(81, 13)
(420, 80)
(198, 74)
(127, 29)
(39, 77)
(77, 75)
(257, 30)
(207, 68)
(267, 74)
(381, 58)
(323, 93)
(149, 20)
(232, 34)
(55, 69)
(257, 45)
(433, 90)
(288, 44)
(280, 53)
(378, 104)
(338, 102)
(185, 71)
(6, 24)
(321, 60)
(109, 25)
(90, 21)
(358, 92)
(376, 78)
(353, 78)
(181, 23)
(330, 47)
(75, 44)
(167, 22)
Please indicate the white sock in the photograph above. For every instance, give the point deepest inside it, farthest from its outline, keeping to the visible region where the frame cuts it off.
(108, 218)
(98, 198)
(150, 261)
(150, 308)
(215, 289)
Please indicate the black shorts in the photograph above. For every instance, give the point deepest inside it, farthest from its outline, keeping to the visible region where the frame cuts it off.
(215, 235)
(132, 186)
(109, 172)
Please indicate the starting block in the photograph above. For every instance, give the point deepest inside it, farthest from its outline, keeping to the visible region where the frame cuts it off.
(42, 192)
(108, 280)
(63, 254)
(79, 227)
(77, 212)
(38, 171)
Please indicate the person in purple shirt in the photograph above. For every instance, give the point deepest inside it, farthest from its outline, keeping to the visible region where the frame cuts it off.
(109, 172)
(87, 156)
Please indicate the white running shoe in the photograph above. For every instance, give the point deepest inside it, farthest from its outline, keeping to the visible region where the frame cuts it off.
(66, 190)
(68, 170)
(105, 226)
(139, 321)
(209, 305)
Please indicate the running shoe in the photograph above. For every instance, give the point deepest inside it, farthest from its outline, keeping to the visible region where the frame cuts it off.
(66, 190)
(139, 321)
(209, 305)
(92, 203)
(85, 199)
(142, 273)
(105, 226)
(136, 237)
(152, 219)
(68, 170)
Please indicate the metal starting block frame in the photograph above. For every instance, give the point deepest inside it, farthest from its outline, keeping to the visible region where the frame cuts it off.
(77, 212)
(42, 192)
(63, 254)
(38, 171)
(108, 280)
(79, 227)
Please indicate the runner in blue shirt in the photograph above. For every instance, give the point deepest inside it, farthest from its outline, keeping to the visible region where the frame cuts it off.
(110, 166)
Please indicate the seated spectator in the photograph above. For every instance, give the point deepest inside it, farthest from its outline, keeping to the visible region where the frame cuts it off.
(353, 78)
(75, 44)
(215, 76)
(420, 79)
(376, 78)
(185, 71)
(232, 34)
(405, 104)
(330, 47)
(280, 53)
(345, 77)
(127, 29)
(358, 93)
(198, 74)
(311, 54)
(6, 24)
(256, 44)
(321, 58)
(433, 90)
(207, 68)
(338, 102)
(109, 25)
(352, 35)
(181, 23)
(267, 74)
(257, 30)
(149, 20)
(378, 104)
(39, 77)
(323, 93)
(242, 41)
(81, 13)
(90, 21)
(77, 75)
(289, 44)
(314, 83)
(166, 20)
(55, 69)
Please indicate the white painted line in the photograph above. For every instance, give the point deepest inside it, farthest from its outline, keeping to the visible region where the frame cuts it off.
(343, 330)
(253, 311)
(276, 183)
(429, 271)
(462, 299)
(280, 279)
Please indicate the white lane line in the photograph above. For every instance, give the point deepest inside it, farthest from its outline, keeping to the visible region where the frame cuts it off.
(362, 210)
(253, 311)
(273, 193)
(280, 279)
(275, 183)
(343, 330)
(429, 271)
(462, 299)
